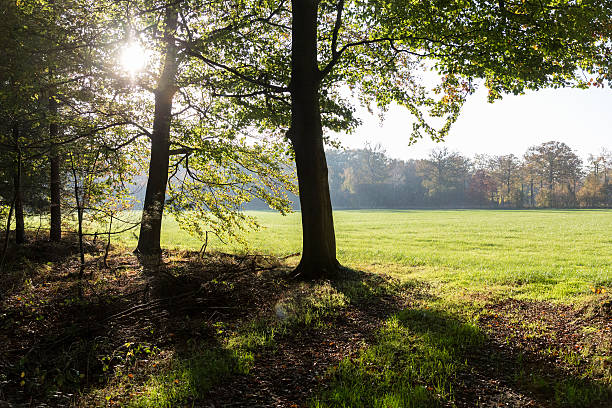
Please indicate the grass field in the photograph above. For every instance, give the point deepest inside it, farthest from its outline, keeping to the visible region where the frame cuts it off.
(457, 308)
(539, 254)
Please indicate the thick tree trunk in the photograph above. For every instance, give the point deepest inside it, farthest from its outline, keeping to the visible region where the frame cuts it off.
(55, 233)
(319, 241)
(153, 209)
(18, 199)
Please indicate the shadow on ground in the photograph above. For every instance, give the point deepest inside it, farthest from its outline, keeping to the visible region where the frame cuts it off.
(425, 356)
(235, 330)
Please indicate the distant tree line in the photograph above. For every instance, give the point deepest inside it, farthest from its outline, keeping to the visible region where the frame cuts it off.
(549, 175)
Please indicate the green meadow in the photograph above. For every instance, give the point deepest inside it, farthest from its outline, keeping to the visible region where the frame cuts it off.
(540, 254)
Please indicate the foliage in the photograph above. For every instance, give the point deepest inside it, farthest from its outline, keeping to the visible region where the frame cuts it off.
(380, 50)
(65, 54)
(210, 185)
(549, 175)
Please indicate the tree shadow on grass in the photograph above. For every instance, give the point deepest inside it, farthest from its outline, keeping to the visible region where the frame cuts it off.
(312, 327)
(384, 346)
(361, 340)
(40, 260)
(426, 357)
(71, 345)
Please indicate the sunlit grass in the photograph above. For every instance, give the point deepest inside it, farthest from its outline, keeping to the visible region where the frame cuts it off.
(416, 358)
(187, 379)
(544, 254)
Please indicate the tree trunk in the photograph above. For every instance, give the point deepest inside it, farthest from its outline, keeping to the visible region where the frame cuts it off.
(79, 207)
(551, 200)
(7, 232)
(19, 217)
(153, 209)
(108, 240)
(55, 233)
(306, 134)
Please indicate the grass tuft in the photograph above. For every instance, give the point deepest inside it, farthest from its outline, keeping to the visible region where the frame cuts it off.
(187, 380)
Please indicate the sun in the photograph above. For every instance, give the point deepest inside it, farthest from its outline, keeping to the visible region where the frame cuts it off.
(132, 58)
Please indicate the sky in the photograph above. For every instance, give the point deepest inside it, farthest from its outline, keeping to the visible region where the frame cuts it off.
(580, 118)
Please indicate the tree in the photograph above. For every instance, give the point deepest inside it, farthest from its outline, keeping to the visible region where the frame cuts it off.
(482, 188)
(200, 146)
(100, 177)
(555, 162)
(49, 72)
(601, 165)
(444, 174)
(530, 174)
(15, 84)
(595, 190)
(153, 209)
(362, 173)
(592, 192)
(375, 48)
(505, 169)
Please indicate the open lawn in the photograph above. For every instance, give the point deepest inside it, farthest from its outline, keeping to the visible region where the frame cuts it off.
(436, 309)
(541, 254)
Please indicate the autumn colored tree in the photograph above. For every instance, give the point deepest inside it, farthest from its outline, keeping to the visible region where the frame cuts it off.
(482, 189)
(592, 193)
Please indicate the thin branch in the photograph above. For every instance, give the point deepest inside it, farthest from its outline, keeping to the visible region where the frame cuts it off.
(337, 26)
(190, 51)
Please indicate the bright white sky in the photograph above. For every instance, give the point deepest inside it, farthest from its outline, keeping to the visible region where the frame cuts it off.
(580, 118)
